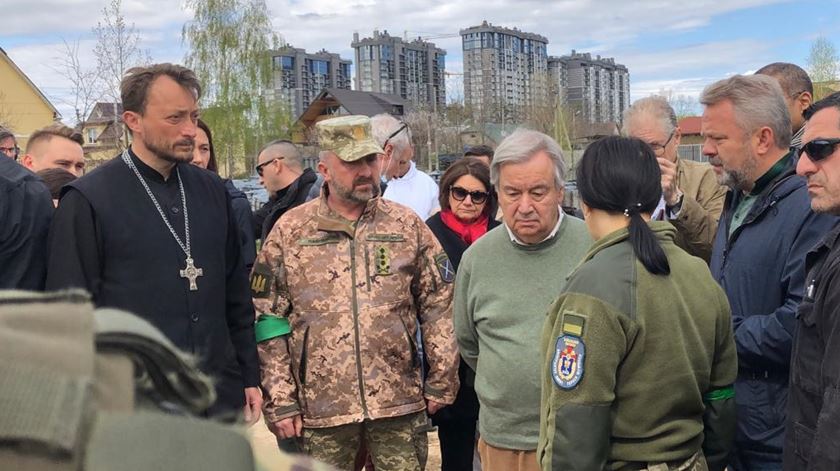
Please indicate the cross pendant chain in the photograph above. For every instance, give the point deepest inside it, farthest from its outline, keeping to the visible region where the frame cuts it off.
(191, 272)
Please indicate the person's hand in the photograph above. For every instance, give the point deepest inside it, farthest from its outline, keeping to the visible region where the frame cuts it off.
(253, 405)
(433, 406)
(669, 181)
(288, 427)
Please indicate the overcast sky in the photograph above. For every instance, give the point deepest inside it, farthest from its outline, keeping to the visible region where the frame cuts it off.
(666, 44)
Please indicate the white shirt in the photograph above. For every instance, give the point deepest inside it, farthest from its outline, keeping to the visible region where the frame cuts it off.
(550, 235)
(416, 190)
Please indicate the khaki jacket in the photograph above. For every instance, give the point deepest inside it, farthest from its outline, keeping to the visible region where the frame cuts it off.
(702, 205)
(352, 294)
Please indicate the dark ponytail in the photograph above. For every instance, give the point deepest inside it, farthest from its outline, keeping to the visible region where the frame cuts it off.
(621, 175)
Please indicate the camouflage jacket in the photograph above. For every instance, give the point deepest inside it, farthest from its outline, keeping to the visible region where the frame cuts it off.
(351, 293)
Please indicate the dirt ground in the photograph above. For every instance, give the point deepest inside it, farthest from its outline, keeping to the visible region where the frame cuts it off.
(265, 446)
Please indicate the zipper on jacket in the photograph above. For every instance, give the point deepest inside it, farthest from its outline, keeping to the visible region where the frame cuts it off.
(303, 355)
(356, 327)
(751, 217)
(367, 267)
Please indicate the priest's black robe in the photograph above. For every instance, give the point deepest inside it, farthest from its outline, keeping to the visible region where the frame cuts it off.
(108, 237)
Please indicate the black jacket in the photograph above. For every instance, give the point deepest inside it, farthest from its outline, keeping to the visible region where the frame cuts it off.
(465, 406)
(25, 212)
(245, 221)
(814, 402)
(294, 195)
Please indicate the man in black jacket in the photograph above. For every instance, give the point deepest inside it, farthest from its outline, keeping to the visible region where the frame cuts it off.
(814, 403)
(25, 211)
(288, 184)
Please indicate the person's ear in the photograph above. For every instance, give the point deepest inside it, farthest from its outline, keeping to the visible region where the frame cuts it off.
(132, 120)
(27, 160)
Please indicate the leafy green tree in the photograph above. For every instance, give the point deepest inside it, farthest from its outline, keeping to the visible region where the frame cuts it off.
(229, 48)
(823, 66)
(822, 61)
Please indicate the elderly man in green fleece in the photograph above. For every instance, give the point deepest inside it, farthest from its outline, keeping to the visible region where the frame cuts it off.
(505, 285)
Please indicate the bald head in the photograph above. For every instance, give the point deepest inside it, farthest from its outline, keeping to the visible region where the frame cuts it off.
(281, 164)
(56, 146)
(796, 86)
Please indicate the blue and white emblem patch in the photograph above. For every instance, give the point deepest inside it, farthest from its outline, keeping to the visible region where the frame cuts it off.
(445, 268)
(567, 365)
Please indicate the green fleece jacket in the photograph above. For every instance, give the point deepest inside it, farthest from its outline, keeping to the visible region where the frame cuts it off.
(502, 293)
(634, 363)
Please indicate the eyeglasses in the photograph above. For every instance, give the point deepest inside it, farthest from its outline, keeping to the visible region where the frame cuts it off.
(261, 166)
(818, 149)
(658, 149)
(460, 194)
(11, 151)
(393, 134)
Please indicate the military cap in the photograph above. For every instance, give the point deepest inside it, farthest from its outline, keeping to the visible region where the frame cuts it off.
(349, 137)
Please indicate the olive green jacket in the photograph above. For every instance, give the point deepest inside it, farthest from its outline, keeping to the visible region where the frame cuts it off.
(697, 219)
(635, 363)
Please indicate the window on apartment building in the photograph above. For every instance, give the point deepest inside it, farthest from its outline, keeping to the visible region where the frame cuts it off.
(91, 136)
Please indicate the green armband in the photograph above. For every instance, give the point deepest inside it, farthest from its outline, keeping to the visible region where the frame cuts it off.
(719, 394)
(268, 327)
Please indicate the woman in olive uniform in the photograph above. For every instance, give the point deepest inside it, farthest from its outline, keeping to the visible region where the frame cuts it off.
(639, 352)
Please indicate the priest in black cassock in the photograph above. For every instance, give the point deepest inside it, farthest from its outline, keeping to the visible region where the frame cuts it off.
(148, 233)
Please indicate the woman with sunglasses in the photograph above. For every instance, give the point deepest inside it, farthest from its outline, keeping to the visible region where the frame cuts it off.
(467, 203)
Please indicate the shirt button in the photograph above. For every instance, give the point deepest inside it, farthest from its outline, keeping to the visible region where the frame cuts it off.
(194, 318)
(175, 209)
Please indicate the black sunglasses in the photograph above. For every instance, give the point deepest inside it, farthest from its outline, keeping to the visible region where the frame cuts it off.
(818, 149)
(261, 166)
(399, 130)
(461, 194)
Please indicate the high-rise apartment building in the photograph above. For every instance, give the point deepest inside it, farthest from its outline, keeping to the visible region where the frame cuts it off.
(597, 89)
(505, 71)
(412, 70)
(299, 77)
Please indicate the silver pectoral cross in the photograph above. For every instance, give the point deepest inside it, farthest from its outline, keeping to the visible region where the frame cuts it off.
(191, 273)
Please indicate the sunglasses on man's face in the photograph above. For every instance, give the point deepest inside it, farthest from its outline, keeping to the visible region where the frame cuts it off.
(819, 149)
(460, 194)
(261, 166)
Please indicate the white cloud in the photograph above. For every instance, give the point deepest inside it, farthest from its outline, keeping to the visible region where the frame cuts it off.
(607, 27)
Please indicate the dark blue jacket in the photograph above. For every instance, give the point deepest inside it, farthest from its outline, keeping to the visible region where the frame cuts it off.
(762, 269)
(244, 221)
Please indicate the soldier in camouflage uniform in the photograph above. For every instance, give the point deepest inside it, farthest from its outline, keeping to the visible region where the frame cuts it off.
(338, 287)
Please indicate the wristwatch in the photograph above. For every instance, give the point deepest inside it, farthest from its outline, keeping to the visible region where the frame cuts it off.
(675, 209)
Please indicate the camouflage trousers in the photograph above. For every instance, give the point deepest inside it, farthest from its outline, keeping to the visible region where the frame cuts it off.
(394, 444)
(696, 463)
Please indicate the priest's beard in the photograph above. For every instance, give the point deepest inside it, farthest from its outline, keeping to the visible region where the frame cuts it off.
(356, 195)
(178, 151)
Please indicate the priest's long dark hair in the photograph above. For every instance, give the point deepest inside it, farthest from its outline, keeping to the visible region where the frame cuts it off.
(620, 175)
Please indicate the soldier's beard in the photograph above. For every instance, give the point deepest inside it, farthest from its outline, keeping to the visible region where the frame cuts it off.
(356, 195)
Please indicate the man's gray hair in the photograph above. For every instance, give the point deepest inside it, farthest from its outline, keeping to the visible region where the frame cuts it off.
(384, 125)
(291, 153)
(520, 147)
(758, 101)
(654, 107)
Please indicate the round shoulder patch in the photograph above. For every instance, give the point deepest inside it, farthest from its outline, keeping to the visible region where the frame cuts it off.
(567, 364)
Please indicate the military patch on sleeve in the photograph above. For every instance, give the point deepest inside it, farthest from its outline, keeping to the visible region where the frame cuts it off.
(445, 268)
(567, 365)
(261, 279)
(573, 324)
